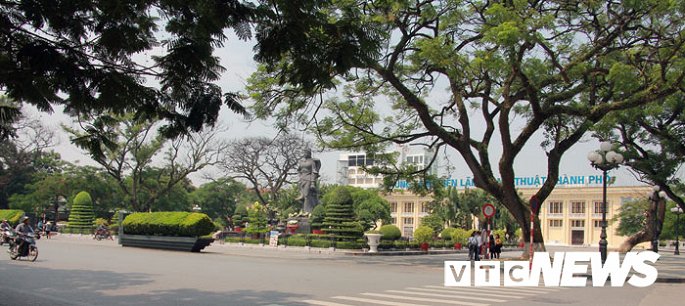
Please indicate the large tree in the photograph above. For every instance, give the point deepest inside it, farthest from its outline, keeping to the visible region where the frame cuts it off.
(90, 57)
(25, 157)
(652, 139)
(267, 164)
(512, 69)
(218, 199)
(132, 148)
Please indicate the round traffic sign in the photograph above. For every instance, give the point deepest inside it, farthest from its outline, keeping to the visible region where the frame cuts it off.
(488, 210)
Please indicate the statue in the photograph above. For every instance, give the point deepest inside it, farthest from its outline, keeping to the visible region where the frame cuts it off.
(309, 174)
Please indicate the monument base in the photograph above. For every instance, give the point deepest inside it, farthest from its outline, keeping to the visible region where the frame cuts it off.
(303, 226)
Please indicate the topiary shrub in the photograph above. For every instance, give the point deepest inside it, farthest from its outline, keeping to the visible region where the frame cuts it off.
(423, 234)
(317, 217)
(11, 215)
(390, 232)
(339, 219)
(81, 216)
(240, 216)
(183, 224)
(259, 219)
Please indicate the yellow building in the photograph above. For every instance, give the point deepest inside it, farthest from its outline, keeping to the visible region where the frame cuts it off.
(571, 215)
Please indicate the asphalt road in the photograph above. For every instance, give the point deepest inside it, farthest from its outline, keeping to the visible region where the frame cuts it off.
(86, 272)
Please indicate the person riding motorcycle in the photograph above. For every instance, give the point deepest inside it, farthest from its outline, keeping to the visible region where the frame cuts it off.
(22, 230)
(5, 232)
(102, 232)
(4, 226)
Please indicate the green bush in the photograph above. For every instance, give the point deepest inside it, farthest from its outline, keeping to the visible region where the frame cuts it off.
(350, 245)
(100, 221)
(82, 215)
(460, 235)
(11, 215)
(447, 233)
(423, 234)
(184, 224)
(390, 232)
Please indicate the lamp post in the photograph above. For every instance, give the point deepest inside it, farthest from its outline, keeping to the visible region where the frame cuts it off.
(604, 159)
(677, 211)
(655, 198)
(197, 208)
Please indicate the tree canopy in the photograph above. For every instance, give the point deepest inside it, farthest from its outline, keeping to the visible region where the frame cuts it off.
(371, 72)
(86, 56)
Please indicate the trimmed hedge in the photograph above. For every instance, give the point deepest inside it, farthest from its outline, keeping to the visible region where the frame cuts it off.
(11, 215)
(390, 232)
(183, 224)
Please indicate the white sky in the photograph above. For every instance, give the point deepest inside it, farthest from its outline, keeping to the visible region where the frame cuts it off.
(237, 56)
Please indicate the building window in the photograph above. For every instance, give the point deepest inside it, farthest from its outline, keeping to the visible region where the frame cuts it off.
(408, 221)
(577, 207)
(555, 223)
(577, 223)
(556, 207)
(415, 160)
(394, 221)
(359, 161)
(597, 223)
(598, 207)
(393, 207)
(409, 207)
(408, 231)
(424, 207)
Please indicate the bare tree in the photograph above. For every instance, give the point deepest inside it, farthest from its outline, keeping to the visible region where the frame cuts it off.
(267, 164)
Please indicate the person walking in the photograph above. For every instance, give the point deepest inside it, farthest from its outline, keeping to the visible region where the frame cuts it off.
(498, 246)
(479, 245)
(472, 243)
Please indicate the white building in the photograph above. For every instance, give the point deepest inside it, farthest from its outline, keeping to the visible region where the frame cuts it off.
(351, 166)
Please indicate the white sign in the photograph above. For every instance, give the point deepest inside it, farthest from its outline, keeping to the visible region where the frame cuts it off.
(566, 271)
(273, 239)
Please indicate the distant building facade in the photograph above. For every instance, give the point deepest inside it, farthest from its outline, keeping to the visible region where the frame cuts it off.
(571, 215)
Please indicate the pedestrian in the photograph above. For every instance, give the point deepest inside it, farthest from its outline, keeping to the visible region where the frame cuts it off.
(479, 244)
(48, 229)
(498, 246)
(472, 243)
(492, 246)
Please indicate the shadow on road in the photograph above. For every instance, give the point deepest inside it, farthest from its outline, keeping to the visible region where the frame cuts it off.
(81, 287)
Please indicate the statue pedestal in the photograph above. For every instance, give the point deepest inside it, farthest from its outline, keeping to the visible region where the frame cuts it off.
(303, 226)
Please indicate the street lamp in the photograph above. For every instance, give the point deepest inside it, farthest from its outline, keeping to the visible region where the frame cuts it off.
(677, 211)
(655, 198)
(604, 159)
(197, 208)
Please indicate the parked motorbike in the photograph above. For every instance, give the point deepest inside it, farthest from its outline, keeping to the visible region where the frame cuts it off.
(29, 249)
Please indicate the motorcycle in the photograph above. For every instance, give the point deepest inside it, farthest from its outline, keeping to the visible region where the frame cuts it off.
(7, 236)
(30, 250)
(102, 234)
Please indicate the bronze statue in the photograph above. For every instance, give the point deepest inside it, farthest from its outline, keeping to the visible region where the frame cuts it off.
(309, 174)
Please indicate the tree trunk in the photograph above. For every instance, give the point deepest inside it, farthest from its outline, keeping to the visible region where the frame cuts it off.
(538, 240)
(658, 210)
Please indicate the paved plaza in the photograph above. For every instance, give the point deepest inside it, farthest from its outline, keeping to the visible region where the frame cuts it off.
(73, 270)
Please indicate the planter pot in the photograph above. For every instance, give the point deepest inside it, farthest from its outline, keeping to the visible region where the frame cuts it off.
(424, 246)
(188, 244)
(374, 241)
(237, 229)
(457, 246)
(317, 232)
